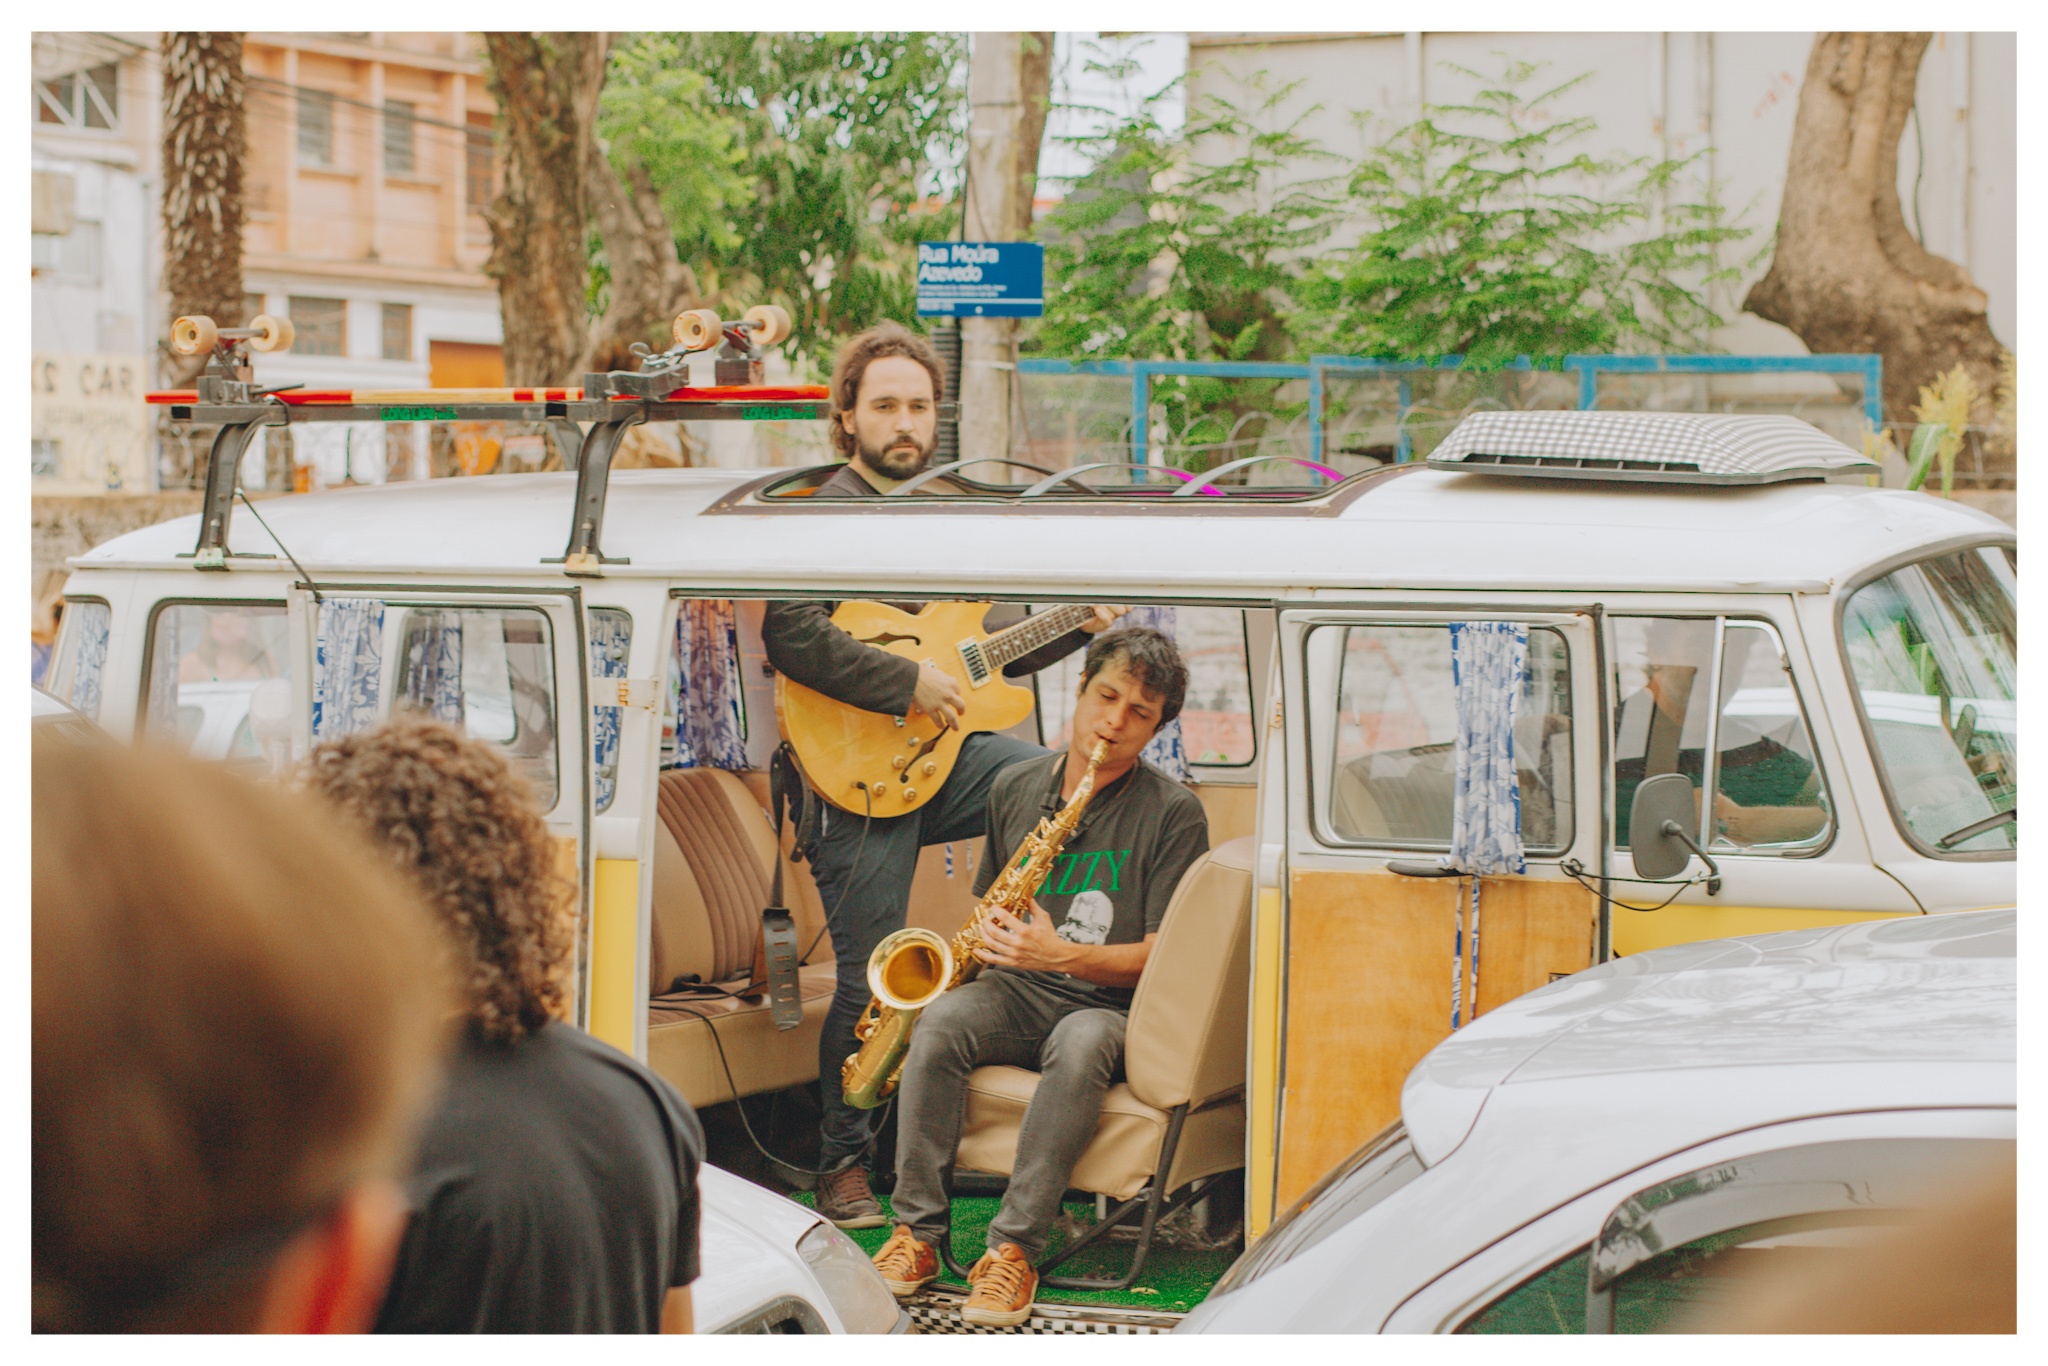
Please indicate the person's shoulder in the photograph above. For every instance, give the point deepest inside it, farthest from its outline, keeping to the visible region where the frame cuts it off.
(1171, 795)
(1028, 774)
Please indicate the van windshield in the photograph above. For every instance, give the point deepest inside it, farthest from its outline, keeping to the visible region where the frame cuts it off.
(1932, 649)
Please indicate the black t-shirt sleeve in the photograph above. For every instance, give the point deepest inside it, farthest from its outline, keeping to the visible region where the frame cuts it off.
(687, 1143)
(802, 643)
(1183, 838)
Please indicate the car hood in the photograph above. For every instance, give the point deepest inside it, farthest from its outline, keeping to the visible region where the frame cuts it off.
(748, 1251)
(1929, 989)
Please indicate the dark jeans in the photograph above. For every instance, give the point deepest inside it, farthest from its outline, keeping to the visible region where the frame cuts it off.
(1001, 1019)
(867, 902)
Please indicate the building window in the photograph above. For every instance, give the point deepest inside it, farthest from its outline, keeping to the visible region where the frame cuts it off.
(481, 170)
(398, 332)
(316, 128)
(321, 325)
(82, 99)
(399, 143)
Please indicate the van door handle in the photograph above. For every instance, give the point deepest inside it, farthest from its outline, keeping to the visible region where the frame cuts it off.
(1416, 867)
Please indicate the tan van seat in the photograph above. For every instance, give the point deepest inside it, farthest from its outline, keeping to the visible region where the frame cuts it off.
(1181, 1108)
(714, 853)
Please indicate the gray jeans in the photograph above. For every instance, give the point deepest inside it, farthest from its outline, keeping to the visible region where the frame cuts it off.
(1003, 1019)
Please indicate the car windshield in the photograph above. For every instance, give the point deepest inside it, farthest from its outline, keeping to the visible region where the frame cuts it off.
(1932, 648)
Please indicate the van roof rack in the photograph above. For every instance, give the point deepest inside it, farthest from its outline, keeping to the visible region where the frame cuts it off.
(1662, 448)
(611, 402)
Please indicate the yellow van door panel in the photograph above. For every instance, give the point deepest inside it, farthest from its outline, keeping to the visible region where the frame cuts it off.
(1636, 932)
(1369, 967)
(1531, 932)
(614, 945)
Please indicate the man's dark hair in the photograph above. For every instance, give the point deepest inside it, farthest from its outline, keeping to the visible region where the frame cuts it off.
(882, 340)
(1148, 656)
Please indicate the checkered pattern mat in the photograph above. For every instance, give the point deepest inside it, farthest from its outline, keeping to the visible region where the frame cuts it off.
(930, 1313)
(1693, 447)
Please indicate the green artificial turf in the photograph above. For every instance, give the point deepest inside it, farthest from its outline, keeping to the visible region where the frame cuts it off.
(1173, 1281)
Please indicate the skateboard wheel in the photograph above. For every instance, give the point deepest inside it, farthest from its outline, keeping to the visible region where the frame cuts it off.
(272, 333)
(697, 329)
(194, 335)
(770, 323)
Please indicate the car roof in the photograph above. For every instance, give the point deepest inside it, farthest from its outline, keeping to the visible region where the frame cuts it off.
(1411, 528)
(1870, 1006)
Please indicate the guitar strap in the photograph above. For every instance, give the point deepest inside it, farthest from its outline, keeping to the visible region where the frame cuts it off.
(775, 960)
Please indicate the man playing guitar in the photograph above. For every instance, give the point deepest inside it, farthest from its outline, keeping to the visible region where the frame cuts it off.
(885, 390)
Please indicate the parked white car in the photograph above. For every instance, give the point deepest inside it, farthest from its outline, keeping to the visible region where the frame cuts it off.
(771, 1266)
(1576, 1159)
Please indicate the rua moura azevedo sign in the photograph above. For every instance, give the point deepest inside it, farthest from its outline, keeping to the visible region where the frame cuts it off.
(980, 279)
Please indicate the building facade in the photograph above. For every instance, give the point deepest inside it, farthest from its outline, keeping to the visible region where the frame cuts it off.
(370, 158)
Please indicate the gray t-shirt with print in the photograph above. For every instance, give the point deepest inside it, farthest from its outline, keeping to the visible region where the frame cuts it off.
(1113, 880)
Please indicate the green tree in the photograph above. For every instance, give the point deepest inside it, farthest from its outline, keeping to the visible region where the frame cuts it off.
(835, 137)
(1489, 235)
(1183, 247)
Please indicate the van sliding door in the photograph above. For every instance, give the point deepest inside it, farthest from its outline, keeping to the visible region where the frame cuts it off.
(506, 668)
(1380, 958)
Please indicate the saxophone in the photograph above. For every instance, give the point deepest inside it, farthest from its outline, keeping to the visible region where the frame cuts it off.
(912, 967)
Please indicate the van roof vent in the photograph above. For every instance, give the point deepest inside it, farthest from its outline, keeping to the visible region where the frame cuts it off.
(1664, 448)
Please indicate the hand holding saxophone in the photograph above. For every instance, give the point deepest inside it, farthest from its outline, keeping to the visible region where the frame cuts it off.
(1027, 945)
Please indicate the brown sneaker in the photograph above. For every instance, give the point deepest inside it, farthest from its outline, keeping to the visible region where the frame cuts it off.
(907, 1265)
(1004, 1284)
(844, 1198)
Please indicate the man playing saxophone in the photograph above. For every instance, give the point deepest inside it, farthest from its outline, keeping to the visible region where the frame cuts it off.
(1056, 988)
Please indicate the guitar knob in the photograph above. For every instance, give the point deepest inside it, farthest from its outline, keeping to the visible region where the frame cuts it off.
(897, 763)
(909, 794)
(879, 788)
(931, 766)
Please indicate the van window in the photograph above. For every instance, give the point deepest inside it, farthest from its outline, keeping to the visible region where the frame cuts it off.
(1933, 651)
(490, 671)
(1215, 721)
(1713, 699)
(81, 655)
(220, 682)
(1393, 737)
(611, 639)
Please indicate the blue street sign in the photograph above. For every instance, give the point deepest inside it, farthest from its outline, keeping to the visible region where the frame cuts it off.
(980, 279)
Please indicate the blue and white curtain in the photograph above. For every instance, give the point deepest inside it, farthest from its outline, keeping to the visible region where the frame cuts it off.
(1166, 752)
(348, 665)
(430, 675)
(1489, 669)
(704, 687)
(611, 639)
(167, 656)
(89, 624)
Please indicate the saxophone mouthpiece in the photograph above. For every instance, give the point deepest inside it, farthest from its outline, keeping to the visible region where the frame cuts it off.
(1099, 753)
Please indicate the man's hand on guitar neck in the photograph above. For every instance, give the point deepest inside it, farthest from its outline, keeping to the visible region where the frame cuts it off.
(1105, 617)
(938, 696)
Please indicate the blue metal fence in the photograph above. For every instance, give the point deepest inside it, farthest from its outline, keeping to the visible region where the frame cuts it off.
(1318, 369)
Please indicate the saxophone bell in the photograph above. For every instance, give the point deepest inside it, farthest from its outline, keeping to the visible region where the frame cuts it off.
(906, 972)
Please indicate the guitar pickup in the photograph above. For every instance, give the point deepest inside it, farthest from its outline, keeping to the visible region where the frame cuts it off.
(625, 692)
(978, 671)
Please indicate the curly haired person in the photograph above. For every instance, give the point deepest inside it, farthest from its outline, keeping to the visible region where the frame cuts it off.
(556, 1188)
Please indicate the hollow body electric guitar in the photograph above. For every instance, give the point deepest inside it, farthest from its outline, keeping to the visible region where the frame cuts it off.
(870, 763)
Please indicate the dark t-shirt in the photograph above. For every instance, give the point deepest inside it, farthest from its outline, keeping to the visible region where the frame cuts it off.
(1113, 880)
(555, 1191)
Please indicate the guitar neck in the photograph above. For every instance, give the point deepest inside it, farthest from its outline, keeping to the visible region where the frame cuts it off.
(1041, 628)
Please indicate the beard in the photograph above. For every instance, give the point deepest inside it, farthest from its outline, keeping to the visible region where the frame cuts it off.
(899, 461)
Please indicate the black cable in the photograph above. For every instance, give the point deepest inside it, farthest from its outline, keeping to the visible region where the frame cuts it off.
(1575, 870)
(738, 1102)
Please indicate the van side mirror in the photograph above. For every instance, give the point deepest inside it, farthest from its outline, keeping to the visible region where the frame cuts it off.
(1657, 822)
